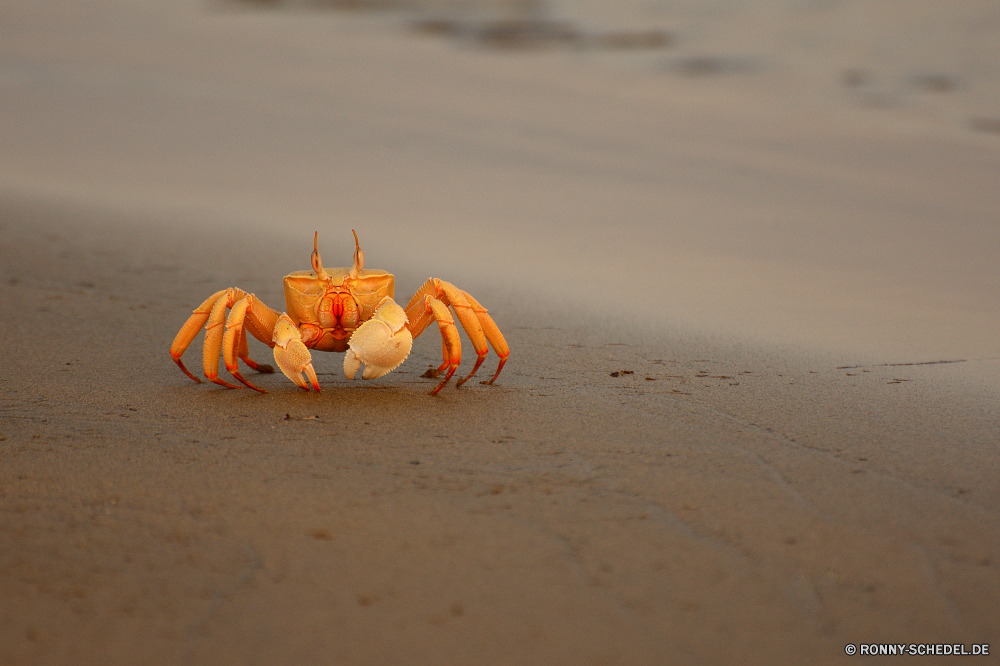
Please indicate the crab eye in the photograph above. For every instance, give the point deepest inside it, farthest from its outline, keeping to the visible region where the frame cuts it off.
(317, 263)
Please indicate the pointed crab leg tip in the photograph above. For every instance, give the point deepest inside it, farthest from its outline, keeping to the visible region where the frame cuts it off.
(357, 243)
(223, 382)
(316, 242)
(479, 362)
(246, 383)
(180, 363)
(255, 388)
(490, 382)
(451, 371)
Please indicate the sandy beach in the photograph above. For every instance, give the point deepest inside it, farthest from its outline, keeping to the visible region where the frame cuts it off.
(744, 255)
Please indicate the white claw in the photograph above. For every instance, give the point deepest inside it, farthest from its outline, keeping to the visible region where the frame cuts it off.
(351, 364)
(291, 355)
(381, 343)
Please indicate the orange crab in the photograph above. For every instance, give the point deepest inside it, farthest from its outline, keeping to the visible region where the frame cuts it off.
(343, 310)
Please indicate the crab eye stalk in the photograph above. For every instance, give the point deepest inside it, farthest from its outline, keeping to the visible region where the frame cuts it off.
(317, 263)
(359, 257)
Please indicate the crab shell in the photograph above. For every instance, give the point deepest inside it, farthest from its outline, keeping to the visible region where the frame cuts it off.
(329, 309)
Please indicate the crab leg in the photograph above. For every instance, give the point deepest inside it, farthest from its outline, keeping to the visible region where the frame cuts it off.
(448, 294)
(493, 334)
(214, 330)
(190, 329)
(436, 310)
(247, 310)
(478, 325)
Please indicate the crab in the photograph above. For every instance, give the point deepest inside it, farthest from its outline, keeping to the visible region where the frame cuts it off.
(339, 310)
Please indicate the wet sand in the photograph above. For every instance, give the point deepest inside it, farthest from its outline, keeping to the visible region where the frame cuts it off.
(724, 432)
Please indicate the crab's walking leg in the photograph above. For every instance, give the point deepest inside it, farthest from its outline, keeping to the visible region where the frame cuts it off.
(292, 355)
(478, 325)
(435, 310)
(214, 330)
(244, 355)
(190, 329)
(493, 334)
(259, 319)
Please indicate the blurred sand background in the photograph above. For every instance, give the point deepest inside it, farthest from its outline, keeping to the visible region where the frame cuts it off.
(778, 216)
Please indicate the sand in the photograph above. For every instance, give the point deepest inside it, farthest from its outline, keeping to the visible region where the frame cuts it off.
(725, 433)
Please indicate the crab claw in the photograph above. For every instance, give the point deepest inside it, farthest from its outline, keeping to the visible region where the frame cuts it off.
(381, 343)
(292, 355)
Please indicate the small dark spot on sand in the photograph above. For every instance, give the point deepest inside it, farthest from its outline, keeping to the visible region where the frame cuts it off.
(524, 33)
(979, 124)
(627, 41)
(790, 541)
(321, 535)
(437, 27)
(650, 379)
(709, 65)
(414, 462)
(700, 66)
(863, 459)
(854, 78)
(615, 373)
(627, 372)
(12, 281)
(939, 83)
(365, 600)
(457, 609)
(431, 374)
(87, 284)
